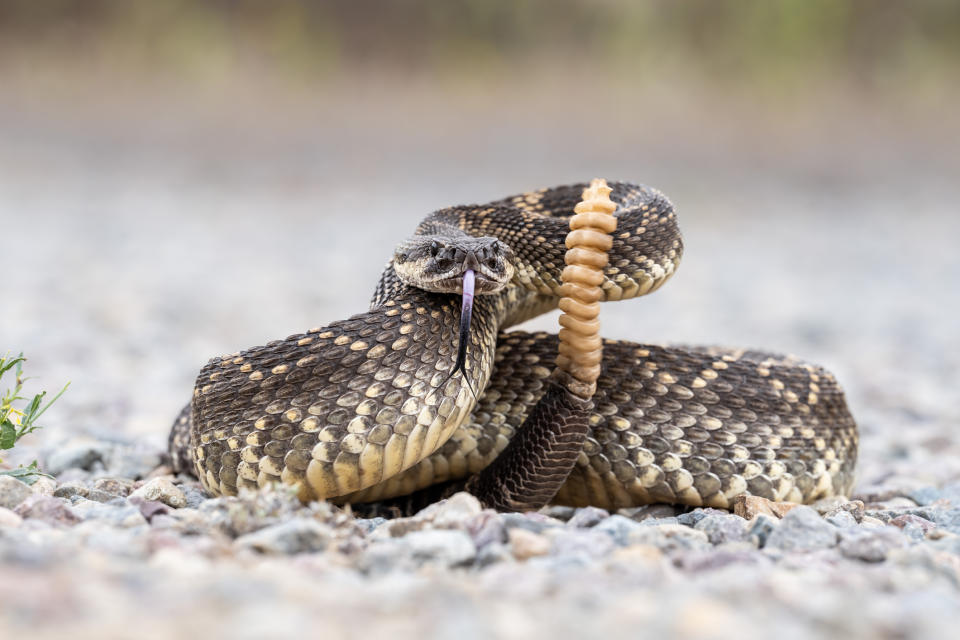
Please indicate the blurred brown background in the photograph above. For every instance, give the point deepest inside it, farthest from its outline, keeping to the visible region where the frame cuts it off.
(181, 179)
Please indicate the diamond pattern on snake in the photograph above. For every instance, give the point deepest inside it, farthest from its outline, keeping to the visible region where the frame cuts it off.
(404, 396)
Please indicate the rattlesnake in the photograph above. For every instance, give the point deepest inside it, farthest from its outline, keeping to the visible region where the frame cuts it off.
(378, 405)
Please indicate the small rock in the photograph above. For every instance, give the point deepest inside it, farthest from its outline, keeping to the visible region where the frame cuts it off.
(719, 558)
(581, 544)
(691, 518)
(531, 521)
(441, 547)
(162, 490)
(50, 510)
(671, 538)
(802, 529)
(586, 517)
(618, 528)
(915, 527)
(117, 486)
(870, 545)
(925, 495)
(123, 516)
(646, 512)
(369, 524)
(133, 461)
(9, 518)
(13, 492)
(44, 486)
(760, 528)
(487, 528)
(748, 506)
(842, 519)
(452, 513)
(149, 509)
(558, 511)
(82, 454)
(723, 528)
(70, 490)
(301, 535)
(494, 554)
(526, 544)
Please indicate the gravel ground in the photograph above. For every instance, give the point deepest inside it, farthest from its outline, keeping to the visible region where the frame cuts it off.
(137, 259)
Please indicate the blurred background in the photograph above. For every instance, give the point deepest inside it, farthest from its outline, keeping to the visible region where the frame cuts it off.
(182, 179)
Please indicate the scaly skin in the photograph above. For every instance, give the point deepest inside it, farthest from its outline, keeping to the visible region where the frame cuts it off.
(355, 411)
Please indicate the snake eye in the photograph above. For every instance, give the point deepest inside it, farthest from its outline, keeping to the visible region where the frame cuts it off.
(434, 249)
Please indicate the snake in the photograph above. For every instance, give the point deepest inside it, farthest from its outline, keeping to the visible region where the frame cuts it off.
(427, 389)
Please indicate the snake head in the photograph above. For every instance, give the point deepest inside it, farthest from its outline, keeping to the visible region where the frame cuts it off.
(438, 263)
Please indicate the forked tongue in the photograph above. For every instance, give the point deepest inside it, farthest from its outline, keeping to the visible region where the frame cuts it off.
(466, 310)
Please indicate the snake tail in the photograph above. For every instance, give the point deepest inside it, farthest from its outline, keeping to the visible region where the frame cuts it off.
(533, 467)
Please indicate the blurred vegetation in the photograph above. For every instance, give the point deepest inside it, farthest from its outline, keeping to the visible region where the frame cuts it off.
(867, 43)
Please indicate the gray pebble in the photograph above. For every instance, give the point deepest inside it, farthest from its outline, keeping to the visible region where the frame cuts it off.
(671, 538)
(494, 553)
(558, 511)
(487, 528)
(842, 519)
(925, 495)
(870, 545)
(535, 522)
(586, 517)
(583, 544)
(301, 535)
(124, 516)
(162, 490)
(661, 511)
(13, 492)
(618, 528)
(369, 524)
(448, 548)
(77, 454)
(802, 529)
(117, 486)
(47, 509)
(691, 518)
(723, 528)
(760, 528)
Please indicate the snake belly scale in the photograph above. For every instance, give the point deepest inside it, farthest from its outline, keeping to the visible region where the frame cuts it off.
(367, 408)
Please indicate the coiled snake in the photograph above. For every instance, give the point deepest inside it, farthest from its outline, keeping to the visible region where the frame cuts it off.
(382, 404)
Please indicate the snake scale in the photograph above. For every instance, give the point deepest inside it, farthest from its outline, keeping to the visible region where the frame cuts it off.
(382, 404)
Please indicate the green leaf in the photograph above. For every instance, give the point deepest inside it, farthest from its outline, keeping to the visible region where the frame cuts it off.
(8, 435)
(28, 475)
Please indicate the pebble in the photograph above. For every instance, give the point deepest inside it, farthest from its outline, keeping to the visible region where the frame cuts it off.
(526, 544)
(760, 528)
(162, 490)
(749, 506)
(13, 492)
(802, 529)
(585, 517)
(9, 518)
(47, 509)
(295, 536)
(723, 528)
(870, 545)
(619, 528)
(84, 454)
(670, 538)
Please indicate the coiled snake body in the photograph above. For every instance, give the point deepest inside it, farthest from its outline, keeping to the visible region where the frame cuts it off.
(373, 407)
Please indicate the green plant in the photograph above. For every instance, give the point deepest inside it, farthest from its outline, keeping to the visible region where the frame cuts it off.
(17, 422)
